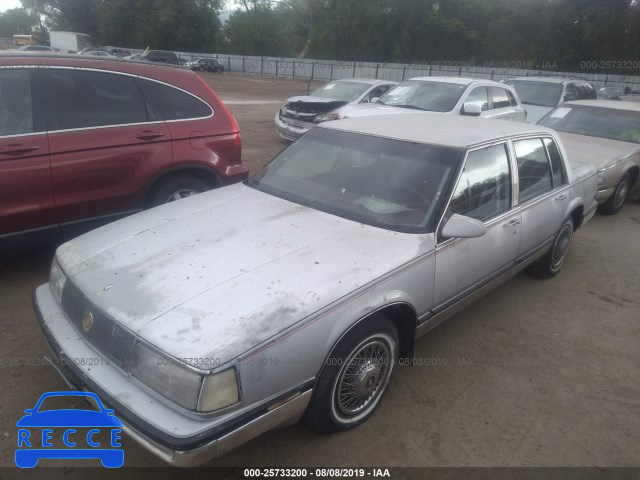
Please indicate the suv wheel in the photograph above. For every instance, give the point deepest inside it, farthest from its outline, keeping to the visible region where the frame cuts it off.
(176, 188)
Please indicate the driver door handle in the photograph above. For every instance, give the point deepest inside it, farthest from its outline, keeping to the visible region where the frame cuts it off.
(512, 223)
(561, 197)
(17, 149)
(149, 135)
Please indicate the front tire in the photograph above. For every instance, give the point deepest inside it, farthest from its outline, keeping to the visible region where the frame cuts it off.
(176, 188)
(549, 265)
(615, 202)
(355, 376)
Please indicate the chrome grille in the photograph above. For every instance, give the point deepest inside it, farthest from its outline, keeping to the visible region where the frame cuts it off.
(104, 334)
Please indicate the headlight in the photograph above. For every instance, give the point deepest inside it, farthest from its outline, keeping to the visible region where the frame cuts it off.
(182, 385)
(57, 279)
(601, 175)
(219, 390)
(325, 117)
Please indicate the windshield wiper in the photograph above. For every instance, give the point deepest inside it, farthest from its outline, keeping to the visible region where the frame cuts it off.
(534, 104)
(413, 107)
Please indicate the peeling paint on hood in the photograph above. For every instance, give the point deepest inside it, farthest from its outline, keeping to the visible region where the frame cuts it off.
(213, 275)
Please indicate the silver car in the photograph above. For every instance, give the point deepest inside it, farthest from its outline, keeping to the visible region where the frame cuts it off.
(300, 114)
(446, 96)
(605, 133)
(208, 321)
(540, 94)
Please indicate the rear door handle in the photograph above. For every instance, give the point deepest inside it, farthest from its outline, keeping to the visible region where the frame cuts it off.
(149, 135)
(17, 149)
(561, 197)
(512, 223)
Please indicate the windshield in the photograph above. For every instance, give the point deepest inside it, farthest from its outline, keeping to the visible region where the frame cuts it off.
(387, 183)
(349, 91)
(540, 94)
(600, 122)
(424, 95)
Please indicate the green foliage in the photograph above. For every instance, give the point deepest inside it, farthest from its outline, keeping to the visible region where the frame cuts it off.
(564, 32)
(18, 21)
(190, 25)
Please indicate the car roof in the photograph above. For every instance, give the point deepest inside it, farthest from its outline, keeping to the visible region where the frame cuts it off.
(542, 79)
(368, 81)
(611, 104)
(446, 130)
(457, 80)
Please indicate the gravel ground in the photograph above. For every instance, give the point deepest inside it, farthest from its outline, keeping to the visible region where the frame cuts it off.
(538, 373)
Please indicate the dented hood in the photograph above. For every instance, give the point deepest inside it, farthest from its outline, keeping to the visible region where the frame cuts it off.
(215, 274)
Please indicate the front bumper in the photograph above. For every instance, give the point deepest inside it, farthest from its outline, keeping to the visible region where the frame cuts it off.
(165, 432)
(291, 132)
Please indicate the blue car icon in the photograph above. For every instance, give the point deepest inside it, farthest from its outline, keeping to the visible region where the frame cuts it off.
(33, 445)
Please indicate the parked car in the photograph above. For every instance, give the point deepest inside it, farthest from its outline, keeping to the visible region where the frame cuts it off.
(88, 50)
(133, 56)
(119, 137)
(605, 133)
(100, 53)
(295, 293)
(120, 52)
(35, 48)
(205, 65)
(541, 94)
(449, 96)
(302, 113)
(160, 56)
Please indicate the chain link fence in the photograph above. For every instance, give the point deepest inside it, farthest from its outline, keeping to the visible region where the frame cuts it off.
(330, 70)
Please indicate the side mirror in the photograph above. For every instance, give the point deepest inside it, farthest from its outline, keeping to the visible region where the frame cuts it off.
(459, 226)
(471, 109)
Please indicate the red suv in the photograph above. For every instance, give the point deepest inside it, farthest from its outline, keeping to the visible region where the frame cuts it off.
(84, 141)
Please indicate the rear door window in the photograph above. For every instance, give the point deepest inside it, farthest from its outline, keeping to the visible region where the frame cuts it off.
(534, 171)
(84, 99)
(499, 97)
(16, 112)
(168, 103)
(480, 97)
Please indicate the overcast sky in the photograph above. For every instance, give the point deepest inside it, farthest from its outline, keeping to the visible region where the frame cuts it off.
(7, 4)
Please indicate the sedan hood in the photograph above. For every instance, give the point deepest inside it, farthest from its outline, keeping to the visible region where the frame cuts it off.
(218, 273)
(369, 109)
(599, 152)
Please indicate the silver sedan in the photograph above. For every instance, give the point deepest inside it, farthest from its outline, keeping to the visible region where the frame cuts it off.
(210, 320)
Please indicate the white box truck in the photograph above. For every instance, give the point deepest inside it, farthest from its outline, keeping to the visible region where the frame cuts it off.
(69, 42)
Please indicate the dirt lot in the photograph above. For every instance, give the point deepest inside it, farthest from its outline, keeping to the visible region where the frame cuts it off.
(538, 373)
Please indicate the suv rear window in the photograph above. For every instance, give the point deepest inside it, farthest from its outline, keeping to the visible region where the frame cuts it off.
(168, 103)
(83, 99)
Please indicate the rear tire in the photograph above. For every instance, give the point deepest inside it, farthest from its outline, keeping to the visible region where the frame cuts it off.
(615, 202)
(176, 188)
(551, 264)
(355, 376)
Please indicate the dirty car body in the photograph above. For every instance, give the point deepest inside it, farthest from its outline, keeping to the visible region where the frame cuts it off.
(297, 292)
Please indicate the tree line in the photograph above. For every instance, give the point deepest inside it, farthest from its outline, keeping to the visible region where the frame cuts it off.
(566, 34)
